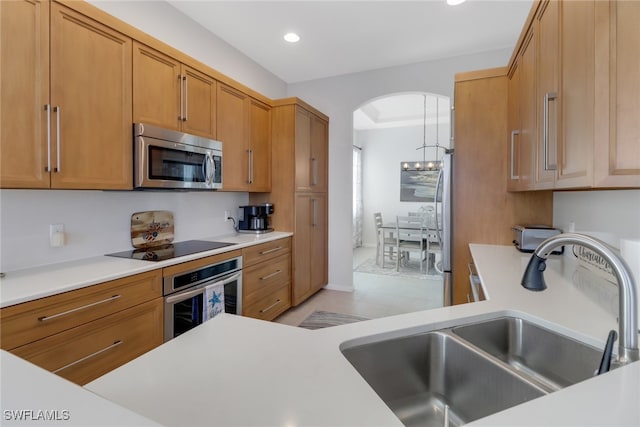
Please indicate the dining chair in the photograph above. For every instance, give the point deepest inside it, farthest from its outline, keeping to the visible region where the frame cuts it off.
(384, 240)
(410, 237)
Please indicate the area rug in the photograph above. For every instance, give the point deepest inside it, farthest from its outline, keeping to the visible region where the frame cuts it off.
(324, 319)
(412, 270)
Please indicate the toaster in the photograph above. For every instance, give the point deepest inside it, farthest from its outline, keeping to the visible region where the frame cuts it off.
(526, 238)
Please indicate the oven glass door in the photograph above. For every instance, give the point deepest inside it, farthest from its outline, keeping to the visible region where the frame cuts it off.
(184, 314)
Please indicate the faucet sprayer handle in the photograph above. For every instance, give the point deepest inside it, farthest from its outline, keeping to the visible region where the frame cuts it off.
(605, 363)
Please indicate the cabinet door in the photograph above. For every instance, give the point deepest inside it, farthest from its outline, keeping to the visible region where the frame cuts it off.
(617, 156)
(319, 235)
(156, 88)
(301, 253)
(24, 62)
(232, 127)
(199, 111)
(546, 31)
(303, 149)
(319, 153)
(86, 352)
(528, 130)
(260, 145)
(91, 94)
(513, 120)
(576, 101)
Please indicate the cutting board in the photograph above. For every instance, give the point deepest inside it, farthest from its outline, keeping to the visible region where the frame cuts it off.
(151, 228)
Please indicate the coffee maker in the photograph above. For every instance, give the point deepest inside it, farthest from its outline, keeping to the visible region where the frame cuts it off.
(254, 218)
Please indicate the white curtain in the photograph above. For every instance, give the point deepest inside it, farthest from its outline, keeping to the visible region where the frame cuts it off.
(357, 197)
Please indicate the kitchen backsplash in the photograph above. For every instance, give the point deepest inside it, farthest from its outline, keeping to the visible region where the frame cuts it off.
(98, 222)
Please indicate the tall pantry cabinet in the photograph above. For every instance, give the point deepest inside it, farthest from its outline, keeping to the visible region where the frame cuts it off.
(299, 190)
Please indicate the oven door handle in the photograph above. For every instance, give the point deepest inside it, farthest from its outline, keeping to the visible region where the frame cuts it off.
(184, 295)
(230, 279)
(200, 289)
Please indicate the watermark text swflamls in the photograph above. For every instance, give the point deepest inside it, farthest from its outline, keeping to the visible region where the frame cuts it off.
(36, 414)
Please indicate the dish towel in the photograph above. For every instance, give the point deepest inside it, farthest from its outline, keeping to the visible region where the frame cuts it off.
(213, 301)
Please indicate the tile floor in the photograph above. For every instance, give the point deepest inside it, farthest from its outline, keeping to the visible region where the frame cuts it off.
(374, 295)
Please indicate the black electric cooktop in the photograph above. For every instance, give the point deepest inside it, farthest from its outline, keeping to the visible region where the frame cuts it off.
(173, 250)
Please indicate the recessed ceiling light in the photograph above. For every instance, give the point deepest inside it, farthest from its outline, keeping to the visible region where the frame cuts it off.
(292, 37)
(455, 2)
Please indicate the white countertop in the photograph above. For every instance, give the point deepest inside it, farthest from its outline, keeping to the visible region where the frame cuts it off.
(33, 396)
(33, 283)
(239, 371)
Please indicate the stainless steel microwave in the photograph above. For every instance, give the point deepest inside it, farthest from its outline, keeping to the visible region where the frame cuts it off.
(165, 158)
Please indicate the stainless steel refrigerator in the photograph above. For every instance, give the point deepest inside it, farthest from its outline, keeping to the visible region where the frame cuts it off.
(445, 212)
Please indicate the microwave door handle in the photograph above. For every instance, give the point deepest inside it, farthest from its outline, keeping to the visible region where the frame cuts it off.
(207, 171)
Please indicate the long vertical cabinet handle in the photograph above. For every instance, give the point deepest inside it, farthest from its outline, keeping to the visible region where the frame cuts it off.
(58, 112)
(548, 97)
(314, 171)
(181, 97)
(47, 108)
(314, 208)
(249, 166)
(186, 98)
(513, 137)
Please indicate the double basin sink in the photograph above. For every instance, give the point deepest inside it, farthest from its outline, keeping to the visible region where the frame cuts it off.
(453, 376)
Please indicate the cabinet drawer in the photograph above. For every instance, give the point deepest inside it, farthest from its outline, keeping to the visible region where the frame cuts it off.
(265, 251)
(271, 306)
(86, 352)
(31, 321)
(263, 279)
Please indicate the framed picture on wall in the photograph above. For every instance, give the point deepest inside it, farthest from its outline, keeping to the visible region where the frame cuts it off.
(418, 184)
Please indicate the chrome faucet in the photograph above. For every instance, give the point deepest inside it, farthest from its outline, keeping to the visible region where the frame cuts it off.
(533, 280)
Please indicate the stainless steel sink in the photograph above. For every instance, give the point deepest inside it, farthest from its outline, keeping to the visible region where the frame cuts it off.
(434, 378)
(554, 361)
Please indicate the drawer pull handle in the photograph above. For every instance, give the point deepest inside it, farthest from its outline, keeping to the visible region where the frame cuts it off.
(73, 310)
(114, 345)
(270, 250)
(264, 310)
(269, 276)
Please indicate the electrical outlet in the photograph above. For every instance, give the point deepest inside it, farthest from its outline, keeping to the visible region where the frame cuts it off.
(227, 215)
(56, 235)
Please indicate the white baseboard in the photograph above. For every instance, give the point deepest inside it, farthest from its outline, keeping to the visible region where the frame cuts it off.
(342, 288)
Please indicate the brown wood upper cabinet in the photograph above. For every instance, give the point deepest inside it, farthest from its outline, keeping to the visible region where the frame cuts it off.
(66, 100)
(585, 63)
(244, 127)
(522, 118)
(173, 95)
(311, 151)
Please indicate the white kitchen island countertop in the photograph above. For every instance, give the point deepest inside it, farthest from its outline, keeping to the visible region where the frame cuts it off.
(245, 372)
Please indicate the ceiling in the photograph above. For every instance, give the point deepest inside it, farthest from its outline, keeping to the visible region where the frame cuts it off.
(341, 37)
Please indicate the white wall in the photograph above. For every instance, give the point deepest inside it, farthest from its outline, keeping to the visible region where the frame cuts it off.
(382, 152)
(610, 215)
(162, 21)
(339, 97)
(98, 222)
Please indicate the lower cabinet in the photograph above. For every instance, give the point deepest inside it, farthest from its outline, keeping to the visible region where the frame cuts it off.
(83, 334)
(86, 352)
(266, 281)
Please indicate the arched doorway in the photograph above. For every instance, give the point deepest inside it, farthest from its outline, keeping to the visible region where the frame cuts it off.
(392, 131)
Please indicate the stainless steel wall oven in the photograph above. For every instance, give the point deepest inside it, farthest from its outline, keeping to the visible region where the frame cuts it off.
(184, 299)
